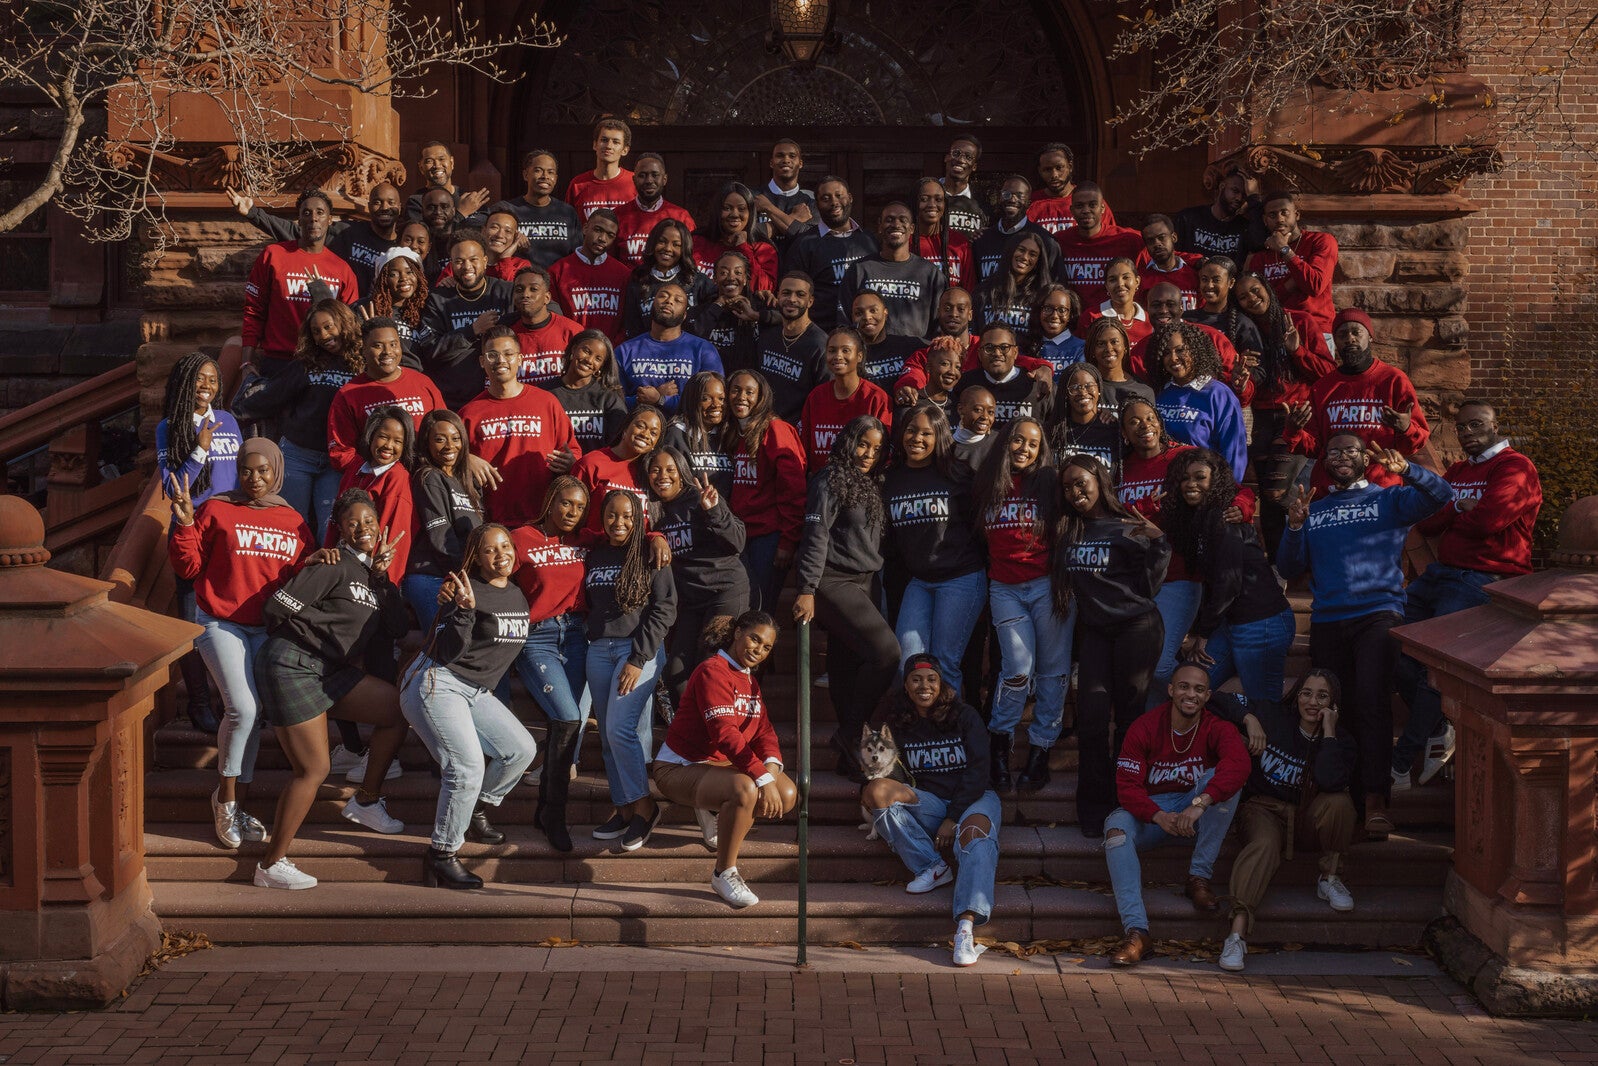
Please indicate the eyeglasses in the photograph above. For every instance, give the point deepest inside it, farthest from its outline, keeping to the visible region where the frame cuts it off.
(1345, 453)
(997, 349)
(963, 154)
(1082, 390)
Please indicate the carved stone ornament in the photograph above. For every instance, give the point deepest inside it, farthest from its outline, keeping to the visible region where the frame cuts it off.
(344, 167)
(1360, 170)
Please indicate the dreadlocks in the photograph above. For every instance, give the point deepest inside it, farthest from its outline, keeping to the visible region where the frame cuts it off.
(179, 410)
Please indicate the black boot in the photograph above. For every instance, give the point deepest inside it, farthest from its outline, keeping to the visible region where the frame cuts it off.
(999, 761)
(443, 869)
(1036, 774)
(196, 678)
(554, 784)
(479, 831)
(848, 759)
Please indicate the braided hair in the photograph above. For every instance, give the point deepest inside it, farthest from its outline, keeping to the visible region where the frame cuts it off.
(1277, 365)
(849, 485)
(945, 260)
(1183, 524)
(636, 580)
(179, 410)
(382, 300)
(718, 631)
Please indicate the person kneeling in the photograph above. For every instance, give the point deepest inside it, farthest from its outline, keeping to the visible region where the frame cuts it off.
(944, 744)
(720, 756)
(1299, 787)
(1178, 775)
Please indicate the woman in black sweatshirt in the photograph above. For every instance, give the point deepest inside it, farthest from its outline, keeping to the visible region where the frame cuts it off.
(1110, 563)
(1083, 421)
(480, 747)
(446, 510)
(840, 555)
(699, 430)
(589, 390)
(321, 621)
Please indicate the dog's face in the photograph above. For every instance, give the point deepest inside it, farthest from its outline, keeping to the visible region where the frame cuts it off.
(878, 752)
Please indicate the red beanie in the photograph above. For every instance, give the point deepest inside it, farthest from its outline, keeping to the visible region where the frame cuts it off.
(1353, 314)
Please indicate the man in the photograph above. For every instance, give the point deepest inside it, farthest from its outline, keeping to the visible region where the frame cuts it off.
(277, 293)
(961, 212)
(954, 334)
(1220, 227)
(1349, 542)
(589, 283)
(792, 355)
(783, 203)
(502, 239)
(886, 351)
(1297, 263)
(437, 166)
(455, 317)
(549, 226)
(1051, 202)
(1484, 535)
(1160, 261)
(656, 365)
(438, 215)
(1015, 393)
(1165, 309)
(1364, 396)
(1015, 196)
(909, 285)
(1177, 777)
(638, 216)
(609, 184)
(1087, 247)
(543, 335)
(361, 242)
(828, 250)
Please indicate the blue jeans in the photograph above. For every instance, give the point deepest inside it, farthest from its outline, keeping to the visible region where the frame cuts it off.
(1035, 649)
(552, 665)
(937, 618)
(911, 830)
(421, 592)
(480, 747)
(625, 723)
(1126, 873)
(310, 485)
(760, 563)
(229, 651)
(1440, 590)
(1178, 602)
(1254, 652)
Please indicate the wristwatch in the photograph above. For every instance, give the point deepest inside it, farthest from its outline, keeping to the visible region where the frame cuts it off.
(1201, 801)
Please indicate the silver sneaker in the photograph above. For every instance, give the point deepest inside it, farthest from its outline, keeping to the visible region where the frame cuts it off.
(1233, 952)
(730, 886)
(282, 874)
(225, 818)
(249, 826)
(708, 826)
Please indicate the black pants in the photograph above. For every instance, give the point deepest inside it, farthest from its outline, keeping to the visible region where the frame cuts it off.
(1362, 655)
(862, 652)
(682, 645)
(980, 665)
(1114, 667)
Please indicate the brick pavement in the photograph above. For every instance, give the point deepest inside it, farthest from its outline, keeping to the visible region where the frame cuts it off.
(1003, 1012)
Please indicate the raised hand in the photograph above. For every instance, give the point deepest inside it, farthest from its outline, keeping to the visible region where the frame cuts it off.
(1290, 338)
(182, 503)
(484, 322)
(458, 590)
(1298, 414)
(241, 203)
(1395, 419)
(708, 496)
(203, 438)
(383, 557)
(1297, 507)
(1392, 460)
(471, 202)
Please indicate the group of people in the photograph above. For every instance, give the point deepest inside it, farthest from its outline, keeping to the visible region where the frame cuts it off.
(994, 447)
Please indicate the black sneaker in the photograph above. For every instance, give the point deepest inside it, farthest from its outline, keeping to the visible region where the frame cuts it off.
(611, 827)
(639, 828)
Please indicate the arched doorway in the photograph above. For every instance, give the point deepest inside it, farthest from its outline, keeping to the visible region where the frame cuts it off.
(697, 83)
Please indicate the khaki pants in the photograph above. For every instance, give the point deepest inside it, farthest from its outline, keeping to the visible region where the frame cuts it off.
(1267, 827)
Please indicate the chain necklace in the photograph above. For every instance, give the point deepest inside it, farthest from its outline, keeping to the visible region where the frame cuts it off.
(1191, 734)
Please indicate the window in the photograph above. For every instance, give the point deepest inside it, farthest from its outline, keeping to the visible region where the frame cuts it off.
(25, 250)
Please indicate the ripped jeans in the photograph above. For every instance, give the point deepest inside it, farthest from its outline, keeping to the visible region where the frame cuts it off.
(552, 665)
(1120, 853)
(1035, 645)
(911, 830)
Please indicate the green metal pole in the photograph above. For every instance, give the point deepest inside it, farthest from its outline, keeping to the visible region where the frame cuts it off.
(804, 785)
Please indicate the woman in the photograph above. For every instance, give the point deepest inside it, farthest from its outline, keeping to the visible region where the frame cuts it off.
(621, 466)
(480, 747)
(1107, 346)
(945, 748)
(1120, 302)
(589, 390)
(447, 509)
(834, 404)
(768, 484)
(840, 555)
(1108, 565)
(1300, 791)
(1011, 297)
(1084, 424)
(730, 223)
(321, 623)
(383, 381)
(1217, 276)
(386, 450)
(399, 292)
(1059, 307)
(630, 608)
(931, 530)
(1195, 402)
(936, 242)
(234, 549)
(721, 756)
(699, 430)
(1015, 506)
(732, 321)
(552, 664)
(667, 257)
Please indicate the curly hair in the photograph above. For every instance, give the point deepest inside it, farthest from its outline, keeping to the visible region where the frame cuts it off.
(1184, 524)
(718, 631)
(849, 485)
(348, 341)
(350, 498)
(1206, 360)
(382, 300)
(898, 713)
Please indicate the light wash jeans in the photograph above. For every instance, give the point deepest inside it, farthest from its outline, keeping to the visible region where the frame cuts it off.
(911, 830)
(1034, 643)
(1255, 653)
(310, 485)
(421, 593)
(936, 617)
(1178, 602)
(553, 667)
(626, 724)
(480, 747)
(229, 651)
(1126, 873)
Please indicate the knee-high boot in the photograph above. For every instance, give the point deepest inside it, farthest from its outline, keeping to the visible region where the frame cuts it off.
(554, 784)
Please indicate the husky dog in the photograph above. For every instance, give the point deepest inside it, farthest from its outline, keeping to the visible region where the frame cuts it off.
(879, 758)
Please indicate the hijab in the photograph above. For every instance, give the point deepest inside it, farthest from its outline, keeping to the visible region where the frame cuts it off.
(274, 461)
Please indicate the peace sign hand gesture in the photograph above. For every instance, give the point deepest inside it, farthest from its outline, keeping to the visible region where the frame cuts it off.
(457, 589)
(1297, 507)
(708, 496)
(383, 557)
(182, 502)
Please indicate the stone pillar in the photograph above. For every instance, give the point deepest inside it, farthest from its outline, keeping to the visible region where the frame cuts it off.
(1519, 679)
(77, 676)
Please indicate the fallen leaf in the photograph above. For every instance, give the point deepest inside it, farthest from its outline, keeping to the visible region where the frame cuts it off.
(852, 945)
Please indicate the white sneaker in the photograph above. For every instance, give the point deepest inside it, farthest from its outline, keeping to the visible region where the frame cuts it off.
(373, 816)
(225, 817)
(356, 774)
(249, 826)
(1439, 750)
(730, 886)
(935, 876)
(822, 681)
(1401, 781)
(1333, 891)
(966, 948)
(341, 760)
(282, 874)
(708, 826)
(1233, 952)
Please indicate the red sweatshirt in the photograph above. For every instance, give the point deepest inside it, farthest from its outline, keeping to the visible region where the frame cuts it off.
(346, 415)
(958, 268)
(1304, 282)
(1494, 536)
(915, 365)
(395, 509)
(504, 269)
(1352, 403)
(549, 571)
(1083, 259)
(722, 719)
(603, 472)
(1015, 554)
(591, 292)
(768, 492)
(762, 257)
(1137, 363)
(635, 224)
(277, 295)
(1139, 488)
(1184, 277)
(824, 415)
(544, 348)
(1150, 764)
(517, 436)
(237, 556)
(1138, 331)
(1053, 213)
(587, 193)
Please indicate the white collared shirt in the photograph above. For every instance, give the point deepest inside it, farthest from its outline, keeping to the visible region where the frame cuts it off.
(1138, 315)
(778, 190)
(1490, 452)
(591, 262)
(1362, 483)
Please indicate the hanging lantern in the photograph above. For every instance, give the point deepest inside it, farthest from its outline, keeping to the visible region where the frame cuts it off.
(801, 29)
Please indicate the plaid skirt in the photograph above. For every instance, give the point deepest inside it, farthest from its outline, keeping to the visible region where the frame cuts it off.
(295, 685)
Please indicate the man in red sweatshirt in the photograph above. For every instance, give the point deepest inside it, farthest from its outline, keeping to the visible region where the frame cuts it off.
(277, 294)
(589, 283)
(638, 216)
(1483, 535)
(1178, 776)
(609, 184)
(543, 334)
(1297, 263)
(1087, 248)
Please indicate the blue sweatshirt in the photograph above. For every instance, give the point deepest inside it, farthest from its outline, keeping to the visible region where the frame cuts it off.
(222, 460)
(1350, 544)
(646, 361)
(1062, 353)
(1206, 414)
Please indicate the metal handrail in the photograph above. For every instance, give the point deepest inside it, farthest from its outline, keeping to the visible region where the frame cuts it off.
(804, 787)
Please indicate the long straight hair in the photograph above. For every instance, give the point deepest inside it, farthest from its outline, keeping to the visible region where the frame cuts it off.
(1071, 526)
(997, 478)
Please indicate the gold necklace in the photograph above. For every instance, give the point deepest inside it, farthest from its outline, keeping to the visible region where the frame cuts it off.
(1192, 735)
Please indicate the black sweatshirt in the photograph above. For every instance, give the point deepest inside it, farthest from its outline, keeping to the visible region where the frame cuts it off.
(1115, 571)
(1200, 232)
(1279, 770)
(884, 361)
(708, 461)
(336, 609)
(1239, 584)
(480, 643)
(552, 231)
(1019, 395)
(361, 247)
(988, 249)
(969, 457)
(835, 538)
(793, 367)
(639, 299)
(930, 523)
(597, 413)
(299, 397)
(1100, 438)
(448, 346)
(647, 626)
(704, 548)
(735, 340)
(827, 260)
(952, 764)
(445, 517)
(911, 290)
(1243, 333)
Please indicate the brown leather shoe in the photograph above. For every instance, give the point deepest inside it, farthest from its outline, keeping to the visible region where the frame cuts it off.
(1130, 952)
(1203, 896)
